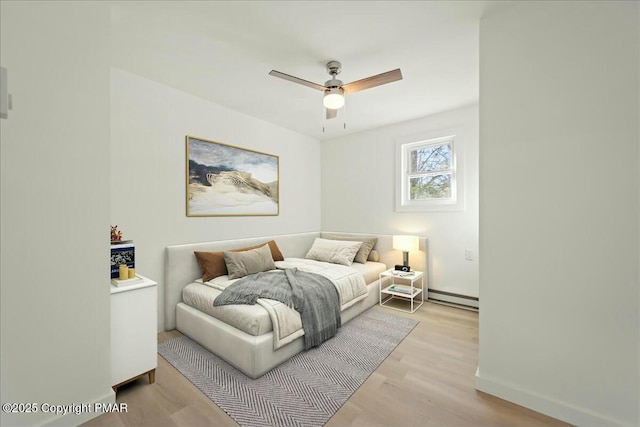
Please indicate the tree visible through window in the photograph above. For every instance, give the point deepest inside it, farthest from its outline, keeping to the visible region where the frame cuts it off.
(430, 174)
(430, 170)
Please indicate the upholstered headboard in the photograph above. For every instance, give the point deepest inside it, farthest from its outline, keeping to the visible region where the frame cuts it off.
(181, 266)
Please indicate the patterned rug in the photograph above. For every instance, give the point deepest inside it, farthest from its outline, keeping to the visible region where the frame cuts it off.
(304, 391)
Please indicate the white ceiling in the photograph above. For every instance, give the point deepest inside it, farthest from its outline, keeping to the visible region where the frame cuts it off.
(223, 52)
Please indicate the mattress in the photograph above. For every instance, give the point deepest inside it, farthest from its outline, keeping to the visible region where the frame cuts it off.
(253, 319)
(371, 270)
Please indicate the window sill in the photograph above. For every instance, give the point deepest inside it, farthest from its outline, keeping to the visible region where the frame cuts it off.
(431, 207)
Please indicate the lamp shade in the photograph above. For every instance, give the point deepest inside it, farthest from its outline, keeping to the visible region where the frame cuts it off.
(406, 243)
(333, 98)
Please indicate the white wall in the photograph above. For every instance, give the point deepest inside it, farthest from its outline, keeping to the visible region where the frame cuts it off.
(148, 128)
(559, 280)
(54, 291)
(358, 195)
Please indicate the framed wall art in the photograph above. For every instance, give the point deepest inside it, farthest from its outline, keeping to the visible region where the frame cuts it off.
(224, 180)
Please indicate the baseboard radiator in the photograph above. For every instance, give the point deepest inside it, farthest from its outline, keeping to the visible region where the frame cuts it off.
(455, 300)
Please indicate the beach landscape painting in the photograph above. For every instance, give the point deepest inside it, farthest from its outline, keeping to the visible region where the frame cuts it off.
(224, 180)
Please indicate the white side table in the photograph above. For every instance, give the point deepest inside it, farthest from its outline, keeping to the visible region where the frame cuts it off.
(407, 291)
(134, 342)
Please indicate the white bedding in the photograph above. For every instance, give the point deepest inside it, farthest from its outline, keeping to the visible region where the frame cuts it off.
(252, 319)
(259, 319)
(348, 281)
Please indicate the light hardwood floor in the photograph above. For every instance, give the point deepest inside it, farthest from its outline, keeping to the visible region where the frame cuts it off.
(428, 380)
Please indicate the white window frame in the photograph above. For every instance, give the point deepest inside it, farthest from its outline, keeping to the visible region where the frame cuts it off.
(403, 152)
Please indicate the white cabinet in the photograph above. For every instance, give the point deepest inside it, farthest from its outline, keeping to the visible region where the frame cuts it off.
(134, 343)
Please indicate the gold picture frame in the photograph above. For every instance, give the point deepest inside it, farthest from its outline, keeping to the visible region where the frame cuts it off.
(225, 180)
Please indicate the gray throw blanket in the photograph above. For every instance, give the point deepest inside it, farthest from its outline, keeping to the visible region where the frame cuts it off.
(311, 295)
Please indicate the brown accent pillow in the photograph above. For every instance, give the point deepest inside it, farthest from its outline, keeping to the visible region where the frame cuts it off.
(212, 264)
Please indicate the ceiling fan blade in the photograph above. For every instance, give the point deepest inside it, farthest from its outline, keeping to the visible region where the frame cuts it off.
(297, 80)
(331, 114)
(373, 81)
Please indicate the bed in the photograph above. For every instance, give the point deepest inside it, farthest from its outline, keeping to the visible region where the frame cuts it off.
(244, 335)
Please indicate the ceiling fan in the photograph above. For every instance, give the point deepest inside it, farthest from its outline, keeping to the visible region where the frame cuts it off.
(334, 89)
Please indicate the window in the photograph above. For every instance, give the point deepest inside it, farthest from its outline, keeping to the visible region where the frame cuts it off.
(429, 177)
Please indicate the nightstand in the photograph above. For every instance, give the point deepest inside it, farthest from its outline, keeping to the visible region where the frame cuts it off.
(134, 342)
(406, 290)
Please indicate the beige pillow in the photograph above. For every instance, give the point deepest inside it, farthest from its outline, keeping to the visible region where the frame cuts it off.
(368, 242)
(240, 264)
(334, 251)
(212, 264)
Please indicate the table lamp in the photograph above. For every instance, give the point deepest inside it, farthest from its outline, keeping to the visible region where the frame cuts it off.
(405, 244)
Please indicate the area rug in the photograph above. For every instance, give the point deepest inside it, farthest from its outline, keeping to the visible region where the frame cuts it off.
(304, 391)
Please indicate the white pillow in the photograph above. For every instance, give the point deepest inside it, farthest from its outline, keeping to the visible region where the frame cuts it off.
(334, 251)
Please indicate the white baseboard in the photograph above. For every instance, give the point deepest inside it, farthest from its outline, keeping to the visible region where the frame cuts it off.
(85, 413)
(454, 300)
(561, 410)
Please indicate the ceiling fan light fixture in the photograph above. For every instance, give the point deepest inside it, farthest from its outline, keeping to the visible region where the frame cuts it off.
(334, 89)
(333, 98)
